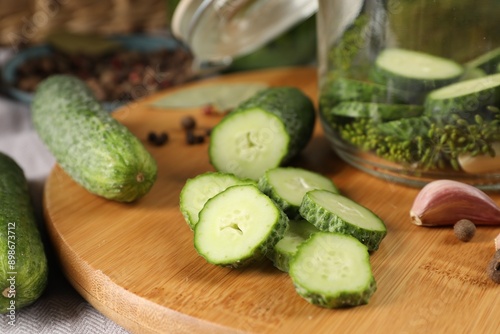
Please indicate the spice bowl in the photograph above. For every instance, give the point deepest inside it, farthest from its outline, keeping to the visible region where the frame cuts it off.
(405, 107)
(119, 68)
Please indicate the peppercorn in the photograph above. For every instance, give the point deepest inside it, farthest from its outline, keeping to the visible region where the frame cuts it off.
(494, 267)
(157, 139)
(192, 138)
(464, 230)
(188, 123)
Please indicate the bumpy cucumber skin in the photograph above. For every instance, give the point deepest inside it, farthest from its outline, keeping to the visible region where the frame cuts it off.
(261, 250)
(93, 148)
(290, 105)
(290, 209)
(218, 178)
(297, 229)
(340, 300)
(19, 233)
(328, 221)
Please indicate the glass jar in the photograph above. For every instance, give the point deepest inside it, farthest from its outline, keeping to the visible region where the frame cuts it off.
(409, 90)
(245, 34)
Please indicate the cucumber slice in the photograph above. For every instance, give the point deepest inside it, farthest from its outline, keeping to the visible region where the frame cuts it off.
(415, 71)
(464, 97)
(198, 190)
(333, 270)
(298, 232)
(264, 132)
(238, 226)
(487, 62)
(287, 186)
(378, 111)
(343, 89)
(333, 212)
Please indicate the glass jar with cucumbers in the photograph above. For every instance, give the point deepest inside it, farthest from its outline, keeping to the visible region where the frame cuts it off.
(409, 90)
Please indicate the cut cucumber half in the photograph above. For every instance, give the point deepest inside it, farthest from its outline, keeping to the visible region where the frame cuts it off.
(487, 62)
(413, 70)
(198, 190)
(298, 232)
(333, 270)
(238, 226)
(264, 132)
(464, 97)
(288, 185)
(378, 111)
(333, 212)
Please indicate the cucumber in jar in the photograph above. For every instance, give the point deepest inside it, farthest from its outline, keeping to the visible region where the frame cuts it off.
(464, 97)
(415, 71)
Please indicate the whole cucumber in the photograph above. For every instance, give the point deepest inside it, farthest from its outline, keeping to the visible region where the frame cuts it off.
(23, 262)
(92, 147)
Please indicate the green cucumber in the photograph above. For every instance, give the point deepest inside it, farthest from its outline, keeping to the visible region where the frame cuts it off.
(93, 148)
(238, 226)
(415, 71)
(487, 62)
(341, 89)
(288, 185)
(333, 212)
(333, 270)
(264, 132)
(298, 232)
(23, 262)
(464, 97)
(378, 111)
(198, 190)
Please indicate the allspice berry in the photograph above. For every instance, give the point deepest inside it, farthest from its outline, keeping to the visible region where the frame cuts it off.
(464, 230)
(494, 268)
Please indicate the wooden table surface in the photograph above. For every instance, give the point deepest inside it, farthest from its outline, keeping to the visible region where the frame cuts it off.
(136, 262)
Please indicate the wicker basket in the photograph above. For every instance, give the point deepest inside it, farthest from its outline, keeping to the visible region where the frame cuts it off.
(24, 22)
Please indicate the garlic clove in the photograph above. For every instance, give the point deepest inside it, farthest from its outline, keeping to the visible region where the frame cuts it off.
(444, 202)
(497, 242)
(481, 163)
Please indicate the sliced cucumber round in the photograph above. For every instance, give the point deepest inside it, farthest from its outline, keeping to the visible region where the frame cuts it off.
(464, 97)
(298, 232)
(333, 212)
(238, 226)
(333, 270)
(198, 190)
(378, 111)
(288, 185)
(487, 62)
(415, 71)
(263, 132)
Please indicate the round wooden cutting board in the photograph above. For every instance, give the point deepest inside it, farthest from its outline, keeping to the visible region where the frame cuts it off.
(137, 265)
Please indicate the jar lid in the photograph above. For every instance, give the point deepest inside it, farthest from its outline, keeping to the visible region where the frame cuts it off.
(217, 31)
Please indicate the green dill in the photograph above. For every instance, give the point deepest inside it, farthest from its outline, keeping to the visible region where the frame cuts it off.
(422, 142)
